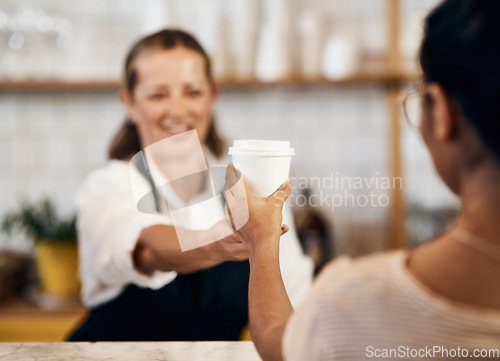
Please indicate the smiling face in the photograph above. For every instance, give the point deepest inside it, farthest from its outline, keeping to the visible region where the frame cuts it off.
(172, 95)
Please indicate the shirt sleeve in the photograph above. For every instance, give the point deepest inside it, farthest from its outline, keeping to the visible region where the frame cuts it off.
(109, 226)
(297, 269)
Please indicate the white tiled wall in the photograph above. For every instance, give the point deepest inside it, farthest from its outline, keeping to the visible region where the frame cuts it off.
(50, 141)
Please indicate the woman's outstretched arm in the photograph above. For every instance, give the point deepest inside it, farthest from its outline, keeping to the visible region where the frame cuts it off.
(159, 249)
(269, 305)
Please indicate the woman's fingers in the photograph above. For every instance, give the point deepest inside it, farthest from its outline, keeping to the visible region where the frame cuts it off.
(236, 198)
(232, 176)
(229, 218)
(284, 229)
(282, 194)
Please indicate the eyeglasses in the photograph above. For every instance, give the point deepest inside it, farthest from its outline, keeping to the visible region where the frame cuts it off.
(411, 103)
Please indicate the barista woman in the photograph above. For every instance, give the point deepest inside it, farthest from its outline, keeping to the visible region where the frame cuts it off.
(137, 283)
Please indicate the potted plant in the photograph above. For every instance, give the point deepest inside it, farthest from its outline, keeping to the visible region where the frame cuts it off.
(55, 246)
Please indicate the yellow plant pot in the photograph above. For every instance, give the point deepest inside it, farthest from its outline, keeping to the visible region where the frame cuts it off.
(57, 266)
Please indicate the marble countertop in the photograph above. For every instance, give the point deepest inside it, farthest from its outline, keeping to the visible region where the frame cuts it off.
(124, 351)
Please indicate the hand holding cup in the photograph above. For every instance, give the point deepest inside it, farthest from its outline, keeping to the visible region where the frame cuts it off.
(255, 219)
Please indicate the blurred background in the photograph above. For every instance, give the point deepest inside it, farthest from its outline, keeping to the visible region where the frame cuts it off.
(327, 75)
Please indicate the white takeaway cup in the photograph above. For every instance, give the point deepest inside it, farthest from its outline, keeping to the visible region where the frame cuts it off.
(264, 164)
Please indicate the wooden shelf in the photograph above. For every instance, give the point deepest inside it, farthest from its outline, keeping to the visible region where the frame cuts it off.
(367, 78)
(58, 85)
(111, 85)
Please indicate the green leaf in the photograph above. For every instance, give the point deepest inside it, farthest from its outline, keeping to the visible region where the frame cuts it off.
(40, 220)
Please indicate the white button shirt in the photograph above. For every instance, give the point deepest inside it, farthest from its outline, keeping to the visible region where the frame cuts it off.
(109, 225)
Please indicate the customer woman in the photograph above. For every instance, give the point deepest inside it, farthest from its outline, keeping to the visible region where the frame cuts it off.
(137, 283)
(441, 300)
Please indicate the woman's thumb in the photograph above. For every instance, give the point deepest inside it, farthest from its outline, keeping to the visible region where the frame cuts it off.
(283, 192)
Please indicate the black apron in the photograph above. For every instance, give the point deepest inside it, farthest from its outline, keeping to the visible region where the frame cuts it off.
(203, 306)
(207, 305)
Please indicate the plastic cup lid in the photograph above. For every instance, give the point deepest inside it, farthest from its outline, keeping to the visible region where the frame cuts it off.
(261, 147)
